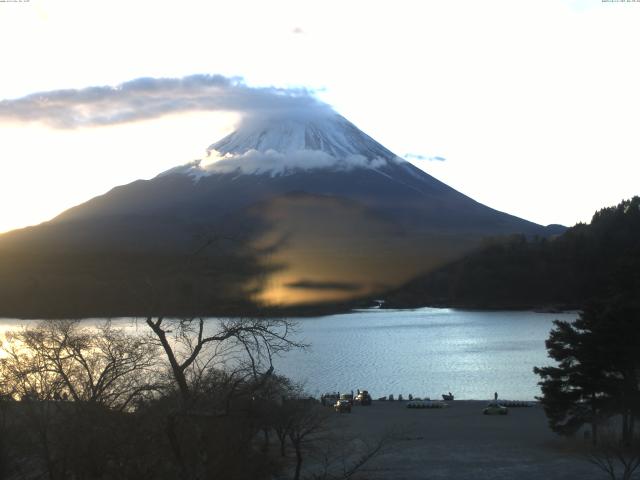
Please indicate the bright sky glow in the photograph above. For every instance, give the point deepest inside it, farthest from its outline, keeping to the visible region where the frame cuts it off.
(533, 104)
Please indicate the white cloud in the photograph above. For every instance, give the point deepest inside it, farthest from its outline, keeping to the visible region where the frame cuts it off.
(148, 98)
(419, 158)
(274, 163)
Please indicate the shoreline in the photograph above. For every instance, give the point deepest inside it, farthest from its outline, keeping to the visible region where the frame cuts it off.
(301, 313)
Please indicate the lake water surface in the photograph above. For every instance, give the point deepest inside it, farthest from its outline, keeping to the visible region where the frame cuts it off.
(425, 352)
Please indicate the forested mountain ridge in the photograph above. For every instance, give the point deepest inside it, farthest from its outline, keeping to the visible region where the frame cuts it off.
(595, 260)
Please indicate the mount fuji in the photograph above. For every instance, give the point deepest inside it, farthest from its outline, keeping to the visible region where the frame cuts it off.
(324, 211)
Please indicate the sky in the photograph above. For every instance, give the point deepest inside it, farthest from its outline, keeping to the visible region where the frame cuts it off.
(530, 107)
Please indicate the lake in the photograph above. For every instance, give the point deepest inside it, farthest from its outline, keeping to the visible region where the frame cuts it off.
(424, 352)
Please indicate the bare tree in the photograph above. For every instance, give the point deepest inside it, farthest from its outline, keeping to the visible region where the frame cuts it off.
(341, 456)
(321, 452)
(77, 386)
(243, 344)
(60, 359)
(307, 420)
(4, 433)
(209, 361)
(618, 459)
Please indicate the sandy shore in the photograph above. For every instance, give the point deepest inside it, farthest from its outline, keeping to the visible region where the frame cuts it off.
(459, 442)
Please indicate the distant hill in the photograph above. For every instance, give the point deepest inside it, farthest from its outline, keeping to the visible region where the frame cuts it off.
(585, 262)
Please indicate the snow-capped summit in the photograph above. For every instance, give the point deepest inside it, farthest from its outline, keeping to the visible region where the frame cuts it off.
(331, 134)
(284, 145)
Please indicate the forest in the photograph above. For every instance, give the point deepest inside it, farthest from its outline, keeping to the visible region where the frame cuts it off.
(587, 261)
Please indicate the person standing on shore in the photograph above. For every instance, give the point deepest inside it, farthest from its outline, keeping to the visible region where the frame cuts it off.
(495, 396)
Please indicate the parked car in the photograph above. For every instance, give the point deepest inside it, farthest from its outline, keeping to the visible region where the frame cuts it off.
(347, 397)
(363, 398)
(329, 399)
(343, 406)
(495, 409)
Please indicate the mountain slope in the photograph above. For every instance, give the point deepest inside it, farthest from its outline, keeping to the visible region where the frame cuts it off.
(315, 208)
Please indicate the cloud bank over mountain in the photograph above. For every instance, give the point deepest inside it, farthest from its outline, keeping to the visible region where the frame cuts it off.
(148, 98)
(281, 131)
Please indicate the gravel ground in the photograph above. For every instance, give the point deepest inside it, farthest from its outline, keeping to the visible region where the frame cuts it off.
(459, 442)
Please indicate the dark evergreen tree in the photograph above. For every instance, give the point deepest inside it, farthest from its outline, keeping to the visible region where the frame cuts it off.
(598, 369)
(573, 393)
(616, 328)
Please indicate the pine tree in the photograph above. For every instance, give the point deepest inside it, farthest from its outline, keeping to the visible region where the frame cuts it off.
(598, 369)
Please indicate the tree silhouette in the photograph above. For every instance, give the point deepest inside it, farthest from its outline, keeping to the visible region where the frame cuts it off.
(598, 369)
